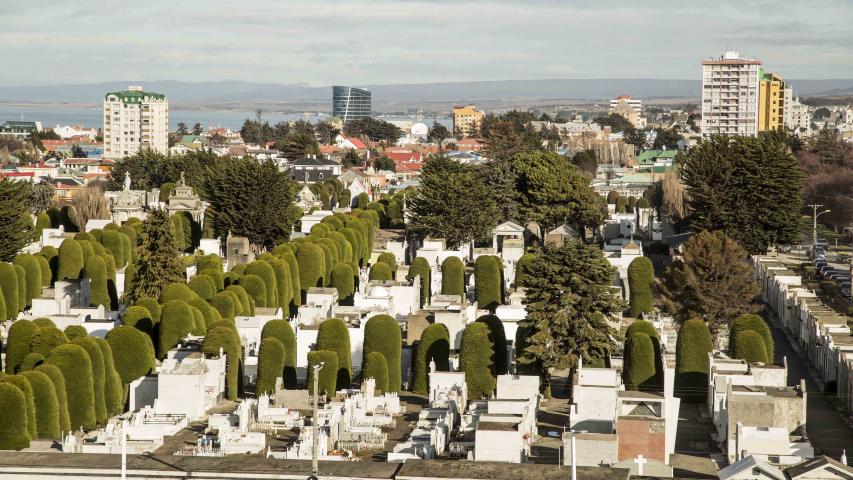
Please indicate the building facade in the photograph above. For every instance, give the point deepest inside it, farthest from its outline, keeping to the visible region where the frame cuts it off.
(19, 129)
(350, 103)
(730, 95)
(135, 120)
(629, 108)
(771, 102)
(465, 118)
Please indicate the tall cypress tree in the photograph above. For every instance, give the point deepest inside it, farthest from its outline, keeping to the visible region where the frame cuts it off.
(158, 263)
(15, 229)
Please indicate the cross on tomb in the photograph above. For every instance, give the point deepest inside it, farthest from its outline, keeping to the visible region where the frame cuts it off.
(640, 461)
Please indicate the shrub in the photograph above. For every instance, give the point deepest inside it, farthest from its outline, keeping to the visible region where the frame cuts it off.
(46, 405)
(176, 321)
(283, 332)
(497, 335)
(226, 338)
(353, 238)
(757, 324)
(224, 304)
(382, 334)
(152, 306)
(139, 318)
(76, 367)
(270, 365)
(14, 432)
(334, 336)
(643, 203)
(421, 267)
(621, 205)
(87, 249)
(176, 291)
(380, 272)
(612, 196)
(24, 385)
(247, 305)
(22, 287)
(487, 282)
(208, 313)
(434, 346)
(9, 287)
(265, 272)
(46, 272)
(642, 326)
(312, 266)
(376, 367)
(70, 262)
(44, 322)
(475, 359)
(361, 201)
(132, 351)
(345, 249)
(328, 374)
(640, 364)
(46, 339)
(30, 362)
(284, 295)
(97, 273)
(453, 277)
(113, 388)
(216, 276)
(199, 326)
(58, 382)
(641, 278)
(32, 272)
(116, 243)
(293, 269)
(343, 279)
(75, 331)
(255, 288)
(211, 261)
(750, 346)
(18, 343)
(98, 375)
(203, 286)
(389, 259)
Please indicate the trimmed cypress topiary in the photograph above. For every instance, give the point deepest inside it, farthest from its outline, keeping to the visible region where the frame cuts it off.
(29, 401)
(497, 335)
(3, 315)
(641, 278)
(282, 281)
(757, 324)
(177, 291)
(42, 222)
(203, 286)
(46, 339)
(487, 282)
(58, 382)
(343, 279)
(283, 332)
(133, 352)
(270, 365)
(113, 387)
(334, 336)
(640, 364)
(115, 242)
(46, 272)
(87, 249)
(70, 262)
(434, 346)
(176, 321)
(226, 338)
(376, 367)
(642, 326)
(30, 362)
(750, 346)
(224, 304)
(382, 334)
(44, 322)
(153, 307)
(14, 433)
(216, 276)
(208, 313)
(344, 246)
(75, 331)
(255, 288)
(32, 276)
(354, 240)
(18, 343)
(22, 287)
(475, 359)
(96, 272)
(9, 287)
(453, 277)
(328, 374)
(389, 259)
(295, 283)
(312, 267)
(98, 376)
(140, 318)
(421, 267)
(264, 271)
(247, 305)
(199, 326)
(380, 272)
(46, 405)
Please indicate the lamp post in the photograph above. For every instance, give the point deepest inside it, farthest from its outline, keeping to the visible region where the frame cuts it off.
(815, 214)
(314, 464)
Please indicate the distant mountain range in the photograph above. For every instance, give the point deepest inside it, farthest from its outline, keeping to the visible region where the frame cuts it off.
(450, 92)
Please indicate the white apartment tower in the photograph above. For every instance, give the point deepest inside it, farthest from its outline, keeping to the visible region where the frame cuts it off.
(730, 94)
(135, 120)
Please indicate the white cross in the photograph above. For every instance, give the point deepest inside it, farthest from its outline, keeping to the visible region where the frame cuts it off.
(640, 461)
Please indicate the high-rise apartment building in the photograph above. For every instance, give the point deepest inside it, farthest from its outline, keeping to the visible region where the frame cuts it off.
(629, 108)
(771, 102)
(350, 103)
(135, 120)
(466, 118)
(730, 95)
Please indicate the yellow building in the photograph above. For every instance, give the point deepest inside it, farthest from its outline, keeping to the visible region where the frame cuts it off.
(464, 117)
(771, 102)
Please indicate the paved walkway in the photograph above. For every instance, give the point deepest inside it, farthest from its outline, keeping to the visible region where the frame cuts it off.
(828, 428)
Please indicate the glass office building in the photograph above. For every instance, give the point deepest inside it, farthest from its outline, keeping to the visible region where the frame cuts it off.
(350, 103)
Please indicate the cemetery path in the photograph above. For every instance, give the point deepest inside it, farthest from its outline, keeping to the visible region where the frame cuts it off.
(828, 428)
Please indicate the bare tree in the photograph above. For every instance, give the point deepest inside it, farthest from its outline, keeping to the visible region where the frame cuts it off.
(674, 195)
(89, 204)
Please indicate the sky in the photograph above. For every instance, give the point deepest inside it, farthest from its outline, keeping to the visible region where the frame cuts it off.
(324, 42)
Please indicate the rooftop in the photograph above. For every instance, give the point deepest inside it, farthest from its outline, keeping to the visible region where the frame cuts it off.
(428, 469)
(135, 96)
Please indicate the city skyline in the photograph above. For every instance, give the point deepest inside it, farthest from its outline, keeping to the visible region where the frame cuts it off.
(394, 42)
